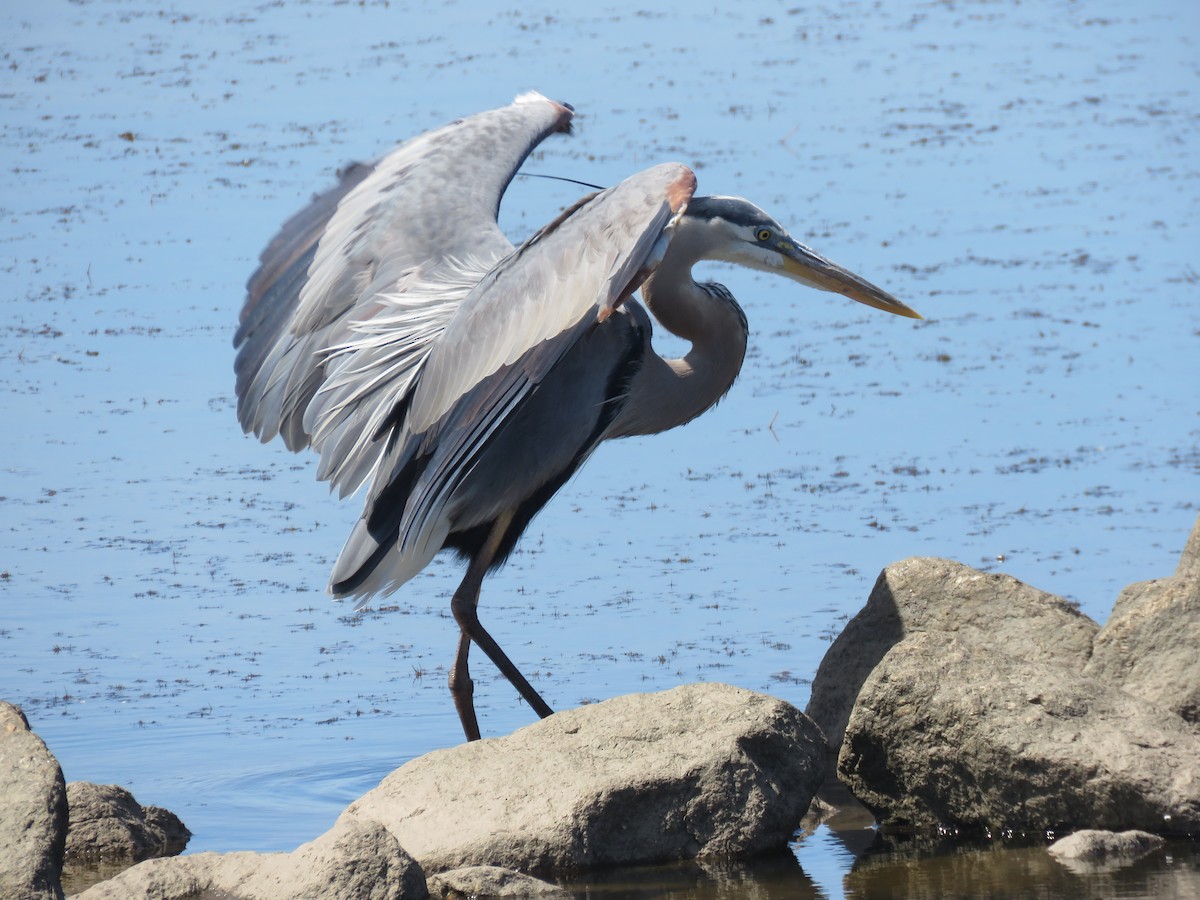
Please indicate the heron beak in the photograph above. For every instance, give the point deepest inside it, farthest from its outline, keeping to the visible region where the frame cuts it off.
(809, 267)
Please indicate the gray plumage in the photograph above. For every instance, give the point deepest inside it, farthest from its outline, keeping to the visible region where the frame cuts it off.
(393, 327)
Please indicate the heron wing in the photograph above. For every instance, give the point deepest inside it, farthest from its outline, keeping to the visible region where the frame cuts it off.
(349, 298)
(504, 339)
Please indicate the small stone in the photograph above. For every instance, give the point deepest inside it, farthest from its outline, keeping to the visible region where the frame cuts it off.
(1091, 851)
(354, 861)
(486, 882)
(108, 824)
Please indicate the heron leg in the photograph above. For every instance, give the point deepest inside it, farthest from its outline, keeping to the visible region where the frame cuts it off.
(462, 689)
(464, 605)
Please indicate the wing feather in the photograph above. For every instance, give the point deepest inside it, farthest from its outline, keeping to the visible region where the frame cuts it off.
(355, 289)
(505, 338)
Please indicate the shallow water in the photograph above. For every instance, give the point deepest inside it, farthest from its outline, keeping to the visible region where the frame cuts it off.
(1023, 174)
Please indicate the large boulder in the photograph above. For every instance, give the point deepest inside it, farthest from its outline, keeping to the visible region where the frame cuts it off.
(1150, 645)
(108, 824)
(354, 861)
(938, 595)
(949, 730)
(33, 812)
(703, 769)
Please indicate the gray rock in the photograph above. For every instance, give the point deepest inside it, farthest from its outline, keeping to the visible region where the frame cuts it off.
(107, 823)
(33, 812)
(938, 595)
(1150, 646)
(355, 861)
(949, 730)
(699, 770)
(1132, 596)
(171, 878)
(1189, 560)
(484, 882)
(1091, 851)
(352, 861)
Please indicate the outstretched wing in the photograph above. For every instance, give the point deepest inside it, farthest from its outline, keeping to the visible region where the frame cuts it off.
(351, 295)
(505, 338)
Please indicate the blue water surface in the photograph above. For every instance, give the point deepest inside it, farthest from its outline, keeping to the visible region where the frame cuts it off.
(1023, 174)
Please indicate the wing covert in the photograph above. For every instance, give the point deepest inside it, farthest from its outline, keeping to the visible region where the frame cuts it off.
(585, 260)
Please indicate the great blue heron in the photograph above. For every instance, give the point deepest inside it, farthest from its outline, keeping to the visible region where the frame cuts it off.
(393, 327)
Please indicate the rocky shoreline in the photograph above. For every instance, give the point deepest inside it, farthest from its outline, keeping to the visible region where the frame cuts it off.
(955, 698)
(970, 699)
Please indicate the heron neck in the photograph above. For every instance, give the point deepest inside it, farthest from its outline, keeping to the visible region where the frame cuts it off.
(670, 392)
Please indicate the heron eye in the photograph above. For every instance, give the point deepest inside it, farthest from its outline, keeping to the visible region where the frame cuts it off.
(764, 234)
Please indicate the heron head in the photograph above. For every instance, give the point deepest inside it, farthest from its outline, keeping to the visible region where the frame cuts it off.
(735, 230)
